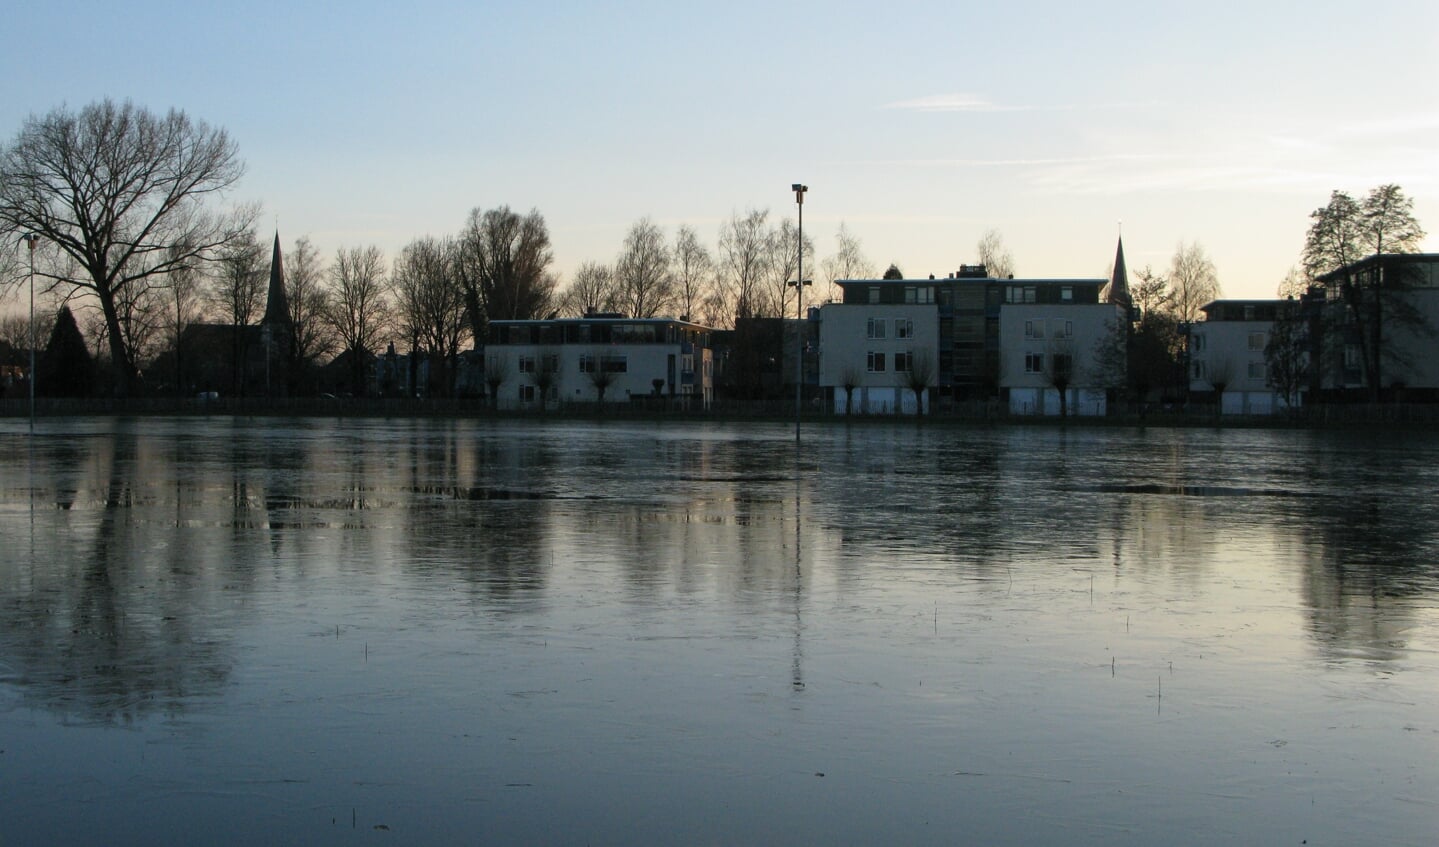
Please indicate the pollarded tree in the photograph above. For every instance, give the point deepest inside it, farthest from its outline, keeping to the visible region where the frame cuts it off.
(119, 195)
(919, 377)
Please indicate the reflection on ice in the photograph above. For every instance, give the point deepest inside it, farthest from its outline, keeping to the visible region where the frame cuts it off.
(571, 632)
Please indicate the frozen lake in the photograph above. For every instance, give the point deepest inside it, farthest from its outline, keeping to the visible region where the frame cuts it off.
(442, 631)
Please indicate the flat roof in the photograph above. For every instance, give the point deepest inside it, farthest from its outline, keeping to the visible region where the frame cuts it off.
(976, 279)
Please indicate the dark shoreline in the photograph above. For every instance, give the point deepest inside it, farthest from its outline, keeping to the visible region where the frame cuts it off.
(1380, 416)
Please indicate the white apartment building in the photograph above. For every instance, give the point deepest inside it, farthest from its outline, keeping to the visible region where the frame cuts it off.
(600, 358)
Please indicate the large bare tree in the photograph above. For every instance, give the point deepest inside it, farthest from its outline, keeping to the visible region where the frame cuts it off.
(783, 265)
(237, 292)
(122, 196)
(592, 290)
(430, 305)
(744, 254)
(309, 301)
(1193, 281)
(504, 267)
(642, 272)
(995, 256)
(359, 308)
(847, 262)
(693, 272)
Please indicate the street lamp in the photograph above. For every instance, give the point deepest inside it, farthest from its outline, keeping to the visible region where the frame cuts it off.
(799, 282)
(31, 239)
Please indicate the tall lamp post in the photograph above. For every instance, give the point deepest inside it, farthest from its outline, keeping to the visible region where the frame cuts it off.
(799, 282)
(31, 239)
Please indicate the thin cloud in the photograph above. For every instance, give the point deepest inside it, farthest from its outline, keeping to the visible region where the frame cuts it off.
(950, 103)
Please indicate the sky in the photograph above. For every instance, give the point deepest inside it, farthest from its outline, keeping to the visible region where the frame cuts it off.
(919, 126)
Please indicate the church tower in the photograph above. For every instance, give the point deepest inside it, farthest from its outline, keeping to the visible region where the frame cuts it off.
(276, 331)
(1119, 283)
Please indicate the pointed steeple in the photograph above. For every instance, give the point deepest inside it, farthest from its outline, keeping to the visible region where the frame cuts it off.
(1119, 283)
(277, 307)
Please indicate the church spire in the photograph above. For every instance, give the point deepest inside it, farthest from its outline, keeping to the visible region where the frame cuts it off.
(277, 307)
(1119, 283)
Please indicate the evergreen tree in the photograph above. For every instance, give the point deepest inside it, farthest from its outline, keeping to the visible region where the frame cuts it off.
(66, 368)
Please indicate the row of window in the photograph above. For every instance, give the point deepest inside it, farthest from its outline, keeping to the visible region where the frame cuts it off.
(1256, 342)
(1256, 370)
(1030, 294)
(879, 327)
(912, 294)
(1034, 363)
(588, 364)
(875, 361)
(1061, 329)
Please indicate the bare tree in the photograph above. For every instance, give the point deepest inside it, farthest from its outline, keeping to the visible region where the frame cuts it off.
(1294, 285)
(783, 265)
(995, 256)
(1286, 353)
(1219, 372)
(848, 262)
(430, 305)
(308, 298)
(1059, 369)
(1193, 281)
(237, 291)
(15, 331)
(642, 272)
(358, 306)
(122, 193)
(744, 254)
(546, 374)
(599, 372)
(1342, 232)
(591, 291)
(693, 272)
(504, 267)
(849, 379)
(919, 377)
(497, 370)
(184, 305)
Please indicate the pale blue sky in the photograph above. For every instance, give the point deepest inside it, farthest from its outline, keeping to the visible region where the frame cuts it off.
(919, 125)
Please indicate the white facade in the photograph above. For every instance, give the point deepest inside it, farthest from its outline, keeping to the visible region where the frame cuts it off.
(874, 348)
(656, 358)
(1036, 340)
(1232, 352)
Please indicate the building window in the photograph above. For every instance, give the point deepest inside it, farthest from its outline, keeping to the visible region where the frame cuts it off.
(1066, 293)
(587, 364)
(903, 328)
(902, 361)
(527, 364)
(1256, 370)
(1197, 369)
(1020, 293)
(874, 294)
(1196, 342)
(527, 393)
(875, 362)
(1034, 363)
(918, 294)
(687, 364)
(1034, 329)
(1069, 329)
(1256, 342)
(875, 328)
(1351, 357)
(615, 364)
